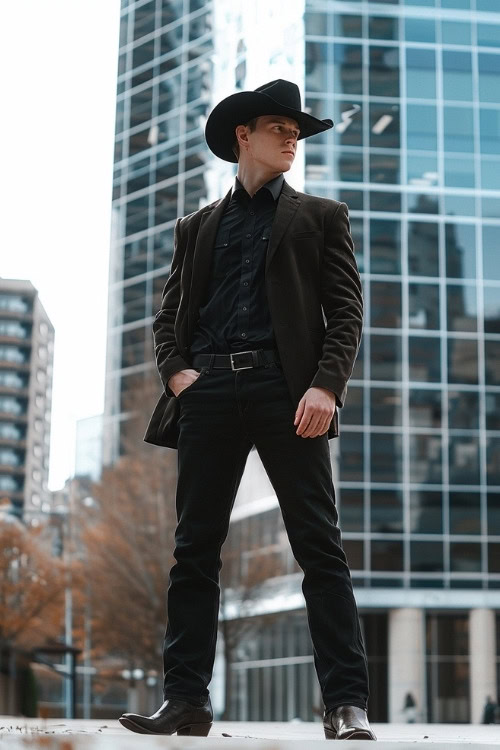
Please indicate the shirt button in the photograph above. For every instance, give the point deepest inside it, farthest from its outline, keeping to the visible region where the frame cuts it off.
(225, 244)
(248, 235)
(252, 213)
(245, 283)
(243, 335)
(247, 260)
(244, 308)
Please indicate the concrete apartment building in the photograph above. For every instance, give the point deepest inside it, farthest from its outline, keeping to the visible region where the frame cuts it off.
(414, 89)
(26, 362)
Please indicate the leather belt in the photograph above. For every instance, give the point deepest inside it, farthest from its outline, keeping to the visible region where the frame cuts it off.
(237, 360)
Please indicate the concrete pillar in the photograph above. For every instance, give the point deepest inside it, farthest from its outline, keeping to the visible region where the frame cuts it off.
(482, 660)
(406, 652)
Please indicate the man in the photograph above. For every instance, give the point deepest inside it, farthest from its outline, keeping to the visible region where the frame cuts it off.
(257, 335)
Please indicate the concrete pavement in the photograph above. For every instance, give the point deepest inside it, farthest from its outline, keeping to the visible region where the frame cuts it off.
(79, 734)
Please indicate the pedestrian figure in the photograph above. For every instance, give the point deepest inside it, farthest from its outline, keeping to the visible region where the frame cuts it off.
(410, 709)
(258, 332)
(490, 711)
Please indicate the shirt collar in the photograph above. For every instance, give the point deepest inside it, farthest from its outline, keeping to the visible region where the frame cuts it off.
(274, 186)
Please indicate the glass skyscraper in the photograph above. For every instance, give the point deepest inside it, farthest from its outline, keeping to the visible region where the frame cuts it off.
(414, 89)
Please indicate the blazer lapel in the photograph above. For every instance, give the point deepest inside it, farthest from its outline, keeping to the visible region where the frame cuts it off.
(202, 257)
(288, 203)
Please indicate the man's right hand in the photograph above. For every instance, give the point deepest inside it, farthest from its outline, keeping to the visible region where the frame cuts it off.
(180, 380)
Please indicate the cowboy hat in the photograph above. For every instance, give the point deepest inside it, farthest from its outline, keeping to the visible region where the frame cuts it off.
(278, 97)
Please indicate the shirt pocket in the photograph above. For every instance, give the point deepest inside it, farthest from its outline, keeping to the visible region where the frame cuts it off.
(222, 255)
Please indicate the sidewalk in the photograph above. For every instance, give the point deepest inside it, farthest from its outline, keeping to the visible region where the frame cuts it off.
(78, 734)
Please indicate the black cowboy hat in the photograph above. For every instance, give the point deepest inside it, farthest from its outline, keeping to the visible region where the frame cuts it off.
(278, 97)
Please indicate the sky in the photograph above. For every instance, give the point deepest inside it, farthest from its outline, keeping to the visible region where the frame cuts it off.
(59, 65)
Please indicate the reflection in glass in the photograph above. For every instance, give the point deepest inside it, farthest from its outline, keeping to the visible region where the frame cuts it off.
(425, 459)
(421, 73)
(493, 461)
(421, 133)
(457, 75)
(491, 253)
(385, 168)
(384, 71)
(422, 169)
(489, 120)
(352, 411)
(426, 512)
(134, 297)
(382, 201)
(423, 248)
(426, 557)
(351, 509)
(464, 460)
(459, 129)
(386, 511)
(422, 203)
(385, 407)
(465, 513)
(386, 457)
(455, 32)
(385, 255)
(351, 457)
(459, 172)
(349, 166)
(465, 557)
(493, 500)
(348, 130)
(424, 359)
(461, 307)
(345, 25)
(385, 304)
(385, 357)
(460, 242)
(490, 179)
(491, 309)
(423, 306)
(462, 361)
(425, 407)
(459, 205)
(387, 555)
(384, 125)
(488, 35)
(382, 27)
(420, 30)
(463, 410)
(490, 208)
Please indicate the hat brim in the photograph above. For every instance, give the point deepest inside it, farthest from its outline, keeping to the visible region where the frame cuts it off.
(239, 108)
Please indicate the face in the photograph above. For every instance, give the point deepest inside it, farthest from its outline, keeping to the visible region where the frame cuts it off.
(273, 143)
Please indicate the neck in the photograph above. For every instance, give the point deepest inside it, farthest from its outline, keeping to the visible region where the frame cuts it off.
(252, 177)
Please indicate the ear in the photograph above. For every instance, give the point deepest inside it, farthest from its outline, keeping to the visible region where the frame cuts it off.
(241, 134)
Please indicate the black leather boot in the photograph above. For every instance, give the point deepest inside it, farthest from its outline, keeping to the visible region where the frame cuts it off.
(347, 723)
(174, 715)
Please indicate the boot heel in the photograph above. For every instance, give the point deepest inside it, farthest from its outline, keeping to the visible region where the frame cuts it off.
(196, 730)
(330, 734)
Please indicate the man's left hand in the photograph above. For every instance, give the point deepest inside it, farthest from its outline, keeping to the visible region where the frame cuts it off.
(314, 412)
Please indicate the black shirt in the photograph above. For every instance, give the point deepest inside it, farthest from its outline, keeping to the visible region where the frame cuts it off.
(235, 313)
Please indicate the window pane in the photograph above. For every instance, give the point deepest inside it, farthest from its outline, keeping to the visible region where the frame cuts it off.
(461, 251)
(426, 557)
(494, 514)
(352, 412)
(461, 306)
(386, 511)
(420, 30)
(464, 460)
(344, 25)
(351, 510)
(465, 513)
(387, 555)
(351, 457)
(492, 411)
(488, 35)
(465, 557)
(422, 170)
(354, 551)
(385, 304)
(493, 461)
(347, 69)
(424, 359)
(348, 166)
(385, 408)
(489, 123)
(463, 410)
(455, 32)
(382, 27)
(425, 459)
(426, 512)
(462, 361)
(385, 357)
(459, 172)
(424, 306)
(425, 408)
(423, 249)
(384, 71)
(421, 73)
(492, 309)
(386, 458)
(457, 75)
(421, 127)
(458, 129)
(489, 72)
(385, 168)
(492, 364)
(384, 125)
(385, 256)
(490, 168)
(491, 253)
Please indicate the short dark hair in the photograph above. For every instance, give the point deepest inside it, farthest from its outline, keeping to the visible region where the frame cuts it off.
(251, 125)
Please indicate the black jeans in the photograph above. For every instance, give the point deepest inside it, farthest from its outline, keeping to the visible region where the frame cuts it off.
(222, 414)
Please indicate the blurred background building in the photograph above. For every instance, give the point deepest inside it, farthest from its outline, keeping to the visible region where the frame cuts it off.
(414, 89)
(26, 362)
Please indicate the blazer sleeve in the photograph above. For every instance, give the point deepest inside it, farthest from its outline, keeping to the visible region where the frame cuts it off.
(342, 302)
(168, 359)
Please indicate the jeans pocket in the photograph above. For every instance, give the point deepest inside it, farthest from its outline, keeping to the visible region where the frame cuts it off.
(191, 385)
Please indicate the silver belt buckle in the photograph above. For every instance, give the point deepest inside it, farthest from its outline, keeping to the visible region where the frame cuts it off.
(238, 354)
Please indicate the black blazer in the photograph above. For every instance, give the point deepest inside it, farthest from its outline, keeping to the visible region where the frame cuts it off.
(313, 289)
